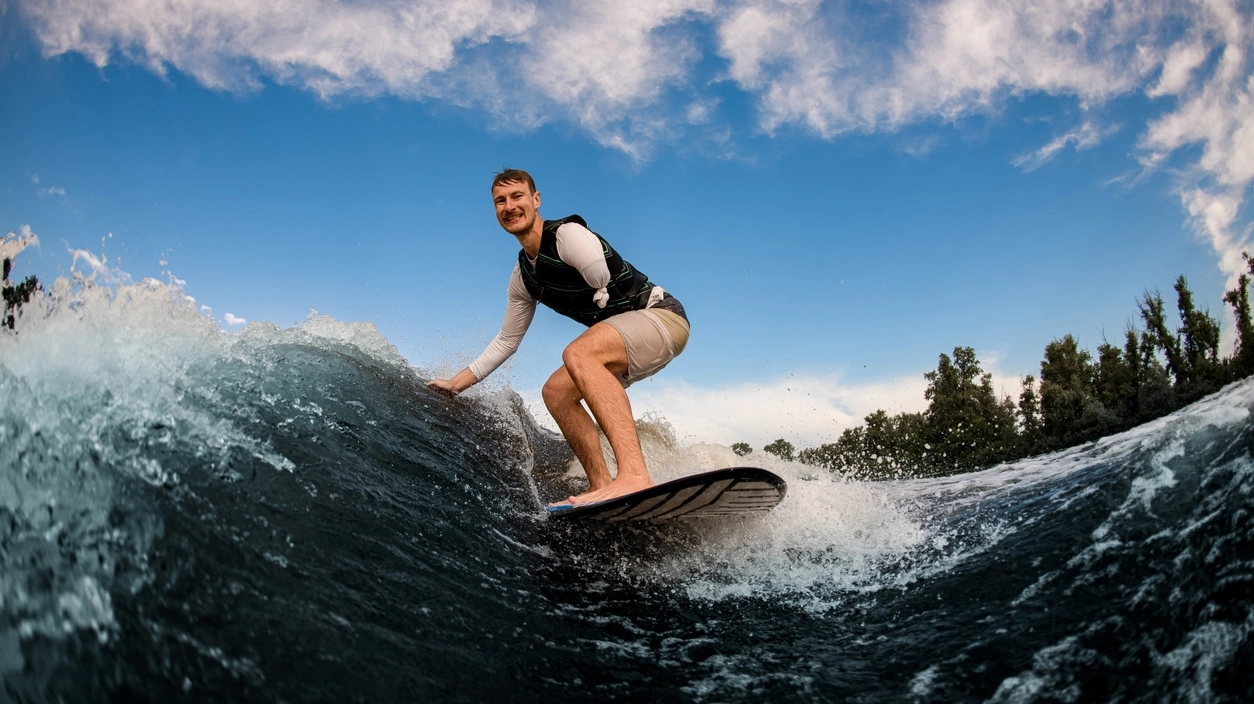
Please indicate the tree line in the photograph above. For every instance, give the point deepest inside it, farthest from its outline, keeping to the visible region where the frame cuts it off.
(14, 295)
(1079, 396)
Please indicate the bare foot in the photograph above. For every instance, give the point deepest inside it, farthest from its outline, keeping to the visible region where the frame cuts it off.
(619, 487)
(569, 501)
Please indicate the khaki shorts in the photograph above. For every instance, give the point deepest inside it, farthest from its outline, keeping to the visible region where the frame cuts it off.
(653, 337)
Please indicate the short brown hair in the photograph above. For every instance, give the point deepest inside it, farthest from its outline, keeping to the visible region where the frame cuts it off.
(508, 175)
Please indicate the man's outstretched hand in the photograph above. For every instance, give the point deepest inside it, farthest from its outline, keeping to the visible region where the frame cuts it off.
(459, 383)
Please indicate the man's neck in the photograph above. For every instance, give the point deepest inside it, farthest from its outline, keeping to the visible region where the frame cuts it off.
(530, 241)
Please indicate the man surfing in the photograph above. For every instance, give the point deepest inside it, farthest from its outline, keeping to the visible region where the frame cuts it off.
(634, 330)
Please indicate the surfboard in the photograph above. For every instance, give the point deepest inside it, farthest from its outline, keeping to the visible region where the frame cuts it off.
(722, 492)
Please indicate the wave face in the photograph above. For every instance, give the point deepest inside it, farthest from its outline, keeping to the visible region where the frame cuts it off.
(291, 515)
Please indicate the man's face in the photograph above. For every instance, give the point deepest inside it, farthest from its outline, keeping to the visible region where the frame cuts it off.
(516, 206)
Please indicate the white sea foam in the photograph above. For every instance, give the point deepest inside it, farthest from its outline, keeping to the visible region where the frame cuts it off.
(829, 536)
(833, 537)
(100, 373)
(13, 243)
(1207, 648)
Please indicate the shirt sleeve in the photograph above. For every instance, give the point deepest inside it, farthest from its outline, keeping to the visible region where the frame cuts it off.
(520, 308)
(580, 248)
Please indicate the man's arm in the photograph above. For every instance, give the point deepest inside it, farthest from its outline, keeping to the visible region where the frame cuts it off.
(580, 248)
(519, 310)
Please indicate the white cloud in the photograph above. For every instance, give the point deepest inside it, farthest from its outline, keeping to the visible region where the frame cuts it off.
(602, 60)
(965, 55)
(807, 411)
(1215, 112)
(595, 64)
(1178, 67)
(327, 46)
(231, 319)
(782, 51)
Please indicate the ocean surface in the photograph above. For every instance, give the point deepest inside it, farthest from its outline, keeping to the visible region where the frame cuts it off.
(290, 515)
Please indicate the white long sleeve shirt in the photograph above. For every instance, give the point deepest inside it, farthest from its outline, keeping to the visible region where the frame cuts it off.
(578, 247)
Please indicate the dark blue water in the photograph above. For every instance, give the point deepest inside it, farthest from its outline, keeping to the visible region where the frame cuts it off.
(290, 515)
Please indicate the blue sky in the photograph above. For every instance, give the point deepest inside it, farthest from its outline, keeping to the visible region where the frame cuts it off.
(837, 192)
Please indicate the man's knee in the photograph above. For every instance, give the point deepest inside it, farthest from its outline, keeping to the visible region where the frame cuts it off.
(559, 389)
(575, 357)
(579, 350)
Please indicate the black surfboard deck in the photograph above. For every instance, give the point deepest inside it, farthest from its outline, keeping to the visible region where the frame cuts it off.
(721, 492)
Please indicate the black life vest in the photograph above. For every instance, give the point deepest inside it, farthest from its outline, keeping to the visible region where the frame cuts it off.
(561, 287)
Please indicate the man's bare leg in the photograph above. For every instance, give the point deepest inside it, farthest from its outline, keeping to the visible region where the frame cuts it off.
(562, 397)
(594, 362)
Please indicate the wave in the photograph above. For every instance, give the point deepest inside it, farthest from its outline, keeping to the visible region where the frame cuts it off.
(290, 514)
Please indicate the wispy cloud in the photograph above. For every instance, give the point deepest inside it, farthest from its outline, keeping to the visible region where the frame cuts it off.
(47, 190)
(1214, 110)
(1086, 136)
(639, 74)
(231, 319)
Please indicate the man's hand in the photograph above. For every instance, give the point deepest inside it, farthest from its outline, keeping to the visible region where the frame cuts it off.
(459, 383)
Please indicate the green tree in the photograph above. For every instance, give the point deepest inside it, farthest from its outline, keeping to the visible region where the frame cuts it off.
(1066, 392)
(1157, 336)
(1199, 341)
(1114, 383)
(741, 448)
(1156, 396)
(966, 426)
(884, 447)
(895, 446)
(839, 456)
(1241, 363)
(782, 449)
(1031, 430)
(14, 296)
